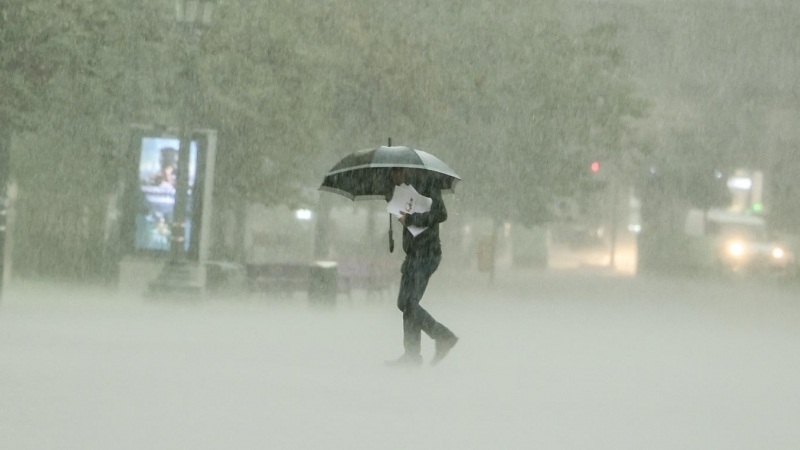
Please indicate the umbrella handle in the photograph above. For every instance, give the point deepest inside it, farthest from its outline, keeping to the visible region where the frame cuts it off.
(391, 236)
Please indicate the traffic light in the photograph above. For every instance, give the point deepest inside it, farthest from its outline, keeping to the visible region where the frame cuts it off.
(593, 180)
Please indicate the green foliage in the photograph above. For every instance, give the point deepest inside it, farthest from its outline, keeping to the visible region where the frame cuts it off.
(296, 85)
(67, 77)
(78, 79)
(537, 105)
(501, 90)
(692, 165)
(292, 86)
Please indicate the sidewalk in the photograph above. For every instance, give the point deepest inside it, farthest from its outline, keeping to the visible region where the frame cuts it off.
(523, 283)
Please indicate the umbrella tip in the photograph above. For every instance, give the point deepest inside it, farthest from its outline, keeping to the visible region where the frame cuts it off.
(390, 142)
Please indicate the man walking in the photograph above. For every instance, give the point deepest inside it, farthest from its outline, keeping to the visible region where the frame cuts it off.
(423, 255)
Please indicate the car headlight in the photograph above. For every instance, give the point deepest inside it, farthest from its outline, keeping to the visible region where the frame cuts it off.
(777, 253)
(736, 249)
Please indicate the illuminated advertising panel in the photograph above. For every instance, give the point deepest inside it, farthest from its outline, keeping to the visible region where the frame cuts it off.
(158, 174)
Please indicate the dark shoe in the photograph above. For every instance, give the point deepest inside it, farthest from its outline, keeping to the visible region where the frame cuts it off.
(443, 347)
(407, 360)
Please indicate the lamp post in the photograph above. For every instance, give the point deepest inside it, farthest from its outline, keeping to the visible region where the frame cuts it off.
(194, 17)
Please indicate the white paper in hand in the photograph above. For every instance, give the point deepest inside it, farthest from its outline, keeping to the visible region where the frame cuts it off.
(409, 201)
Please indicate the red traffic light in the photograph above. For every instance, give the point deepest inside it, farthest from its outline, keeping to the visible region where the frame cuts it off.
(595, 166)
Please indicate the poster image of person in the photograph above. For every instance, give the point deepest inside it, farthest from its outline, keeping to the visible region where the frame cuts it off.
(169, 166)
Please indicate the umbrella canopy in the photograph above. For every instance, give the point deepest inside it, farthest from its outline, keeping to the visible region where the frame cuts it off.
(365, 174)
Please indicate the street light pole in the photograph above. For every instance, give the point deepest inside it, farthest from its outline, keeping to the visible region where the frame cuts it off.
(193, 16)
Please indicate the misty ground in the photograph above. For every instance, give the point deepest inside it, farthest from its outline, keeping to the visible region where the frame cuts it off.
(557, 360)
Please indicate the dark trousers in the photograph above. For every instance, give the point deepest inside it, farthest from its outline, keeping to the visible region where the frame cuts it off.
(416, 273)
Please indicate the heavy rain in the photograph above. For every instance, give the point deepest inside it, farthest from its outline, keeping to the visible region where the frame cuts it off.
(343, 224)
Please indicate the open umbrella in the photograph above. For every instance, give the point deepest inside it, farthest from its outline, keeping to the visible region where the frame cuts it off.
(364, 174)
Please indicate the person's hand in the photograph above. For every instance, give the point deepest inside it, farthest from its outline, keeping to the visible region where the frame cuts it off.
(402, 218)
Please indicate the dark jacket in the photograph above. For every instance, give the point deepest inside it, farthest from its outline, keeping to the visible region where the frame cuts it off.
(427, 243)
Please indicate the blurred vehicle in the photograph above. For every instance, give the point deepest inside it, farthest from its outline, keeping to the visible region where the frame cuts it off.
(738, 243)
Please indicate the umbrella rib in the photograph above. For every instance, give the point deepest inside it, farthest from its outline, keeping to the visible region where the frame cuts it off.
(350, 196)
(341, 192)
(386, 165)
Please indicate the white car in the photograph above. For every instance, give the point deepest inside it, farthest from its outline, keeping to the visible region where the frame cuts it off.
(740, 243)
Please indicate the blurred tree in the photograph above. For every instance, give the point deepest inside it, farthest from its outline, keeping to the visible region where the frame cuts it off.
(68, 84)
(291, 86)
(539, 105)
(694, 165)
(295, 85)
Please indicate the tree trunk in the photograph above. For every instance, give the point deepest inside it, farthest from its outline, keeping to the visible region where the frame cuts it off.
(5, 173)
(615, 200)
(496, 225)
(322, 229)
(372, 231)
(240, 232)
(218, 249)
